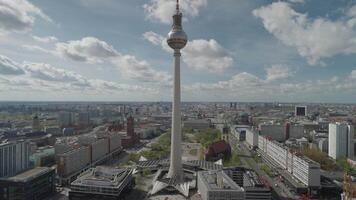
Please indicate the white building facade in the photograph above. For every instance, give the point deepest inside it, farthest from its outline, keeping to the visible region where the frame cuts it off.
(341, 141)
(14, 158)
(300, 167)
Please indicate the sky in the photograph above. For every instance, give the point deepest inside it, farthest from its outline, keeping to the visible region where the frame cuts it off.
(238, 50)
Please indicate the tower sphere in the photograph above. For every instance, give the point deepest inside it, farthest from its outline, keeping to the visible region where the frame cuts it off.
(177, 39)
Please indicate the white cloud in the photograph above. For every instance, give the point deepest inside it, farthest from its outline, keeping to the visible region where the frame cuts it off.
(248, 87)
(18, 15)
(201, 55)
(40, 49)
(207, 55)
(296, 1)
(277, 72)
(314, 39)
(47, 39)
(88, 49)
(162, 10)
(153, 37)
(93, 50)
(9, 67)
(132, 68)
(353, 74)
(44, 77)
(47, 72)
(157, 40)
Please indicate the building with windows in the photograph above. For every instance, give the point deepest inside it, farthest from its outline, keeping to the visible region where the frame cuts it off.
(65, 119)
(214, 185)
(14, 158)
(34, 184)
(341, 140)
(250, 182)
(197, 124)
(303, 169)
(101, 183)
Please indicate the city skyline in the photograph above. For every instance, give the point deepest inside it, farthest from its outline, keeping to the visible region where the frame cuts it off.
(288, 51)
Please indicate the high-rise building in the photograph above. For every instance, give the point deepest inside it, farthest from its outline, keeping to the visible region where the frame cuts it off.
(341, 140)
(36, 126)
(14, 158)
(65, 119)
(83, 119)
(301, 111)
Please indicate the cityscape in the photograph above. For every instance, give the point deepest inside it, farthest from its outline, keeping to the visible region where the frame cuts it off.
(100, 118)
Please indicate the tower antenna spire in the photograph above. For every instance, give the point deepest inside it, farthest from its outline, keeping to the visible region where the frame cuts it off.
(177, 7)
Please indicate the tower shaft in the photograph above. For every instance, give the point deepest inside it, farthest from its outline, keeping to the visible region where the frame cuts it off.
(175, 168)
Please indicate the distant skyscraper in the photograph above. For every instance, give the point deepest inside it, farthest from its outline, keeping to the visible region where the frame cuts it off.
(36, 124)
(341, 140)
(300, 111)
(83, 119)
(14, 158)
(65, 119)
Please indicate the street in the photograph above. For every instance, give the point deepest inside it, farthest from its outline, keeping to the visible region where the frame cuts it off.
(280, 190)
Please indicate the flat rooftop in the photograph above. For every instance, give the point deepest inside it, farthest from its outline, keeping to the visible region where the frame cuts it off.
(30, 174)
(102, 177)
(218, 180)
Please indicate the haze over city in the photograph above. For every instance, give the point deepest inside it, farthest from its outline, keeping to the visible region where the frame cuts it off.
(94, 50)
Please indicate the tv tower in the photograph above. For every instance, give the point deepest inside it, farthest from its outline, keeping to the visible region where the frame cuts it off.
(177, 39)
(175, 177)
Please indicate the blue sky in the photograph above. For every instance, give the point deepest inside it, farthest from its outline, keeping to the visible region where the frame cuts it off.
(238, 50)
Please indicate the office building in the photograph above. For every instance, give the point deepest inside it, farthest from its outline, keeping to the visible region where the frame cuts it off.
(72, 162)
(34, 184)
(83, 119)
(217, 185)
(65, 119)
(341, 140)
(300, 111)
(300, 167)
(197, 124)
(252, 138)
(101, 183)
(14, 158)
(250, 182)
(36, 126)
(281, 132)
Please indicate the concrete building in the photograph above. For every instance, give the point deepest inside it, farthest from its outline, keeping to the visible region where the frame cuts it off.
(216, 185)
(34, 184)
(302, 168)
(341, 140)
(197, 124)
(101, 183)
(250, 182)
(44, 156)
(239, 132)
(300, 111)
(252, 138)
(65, 119)
(281, 132)
(36, 126)
(83, 119)
(72, 161)
(14, 158)
(323, 145)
